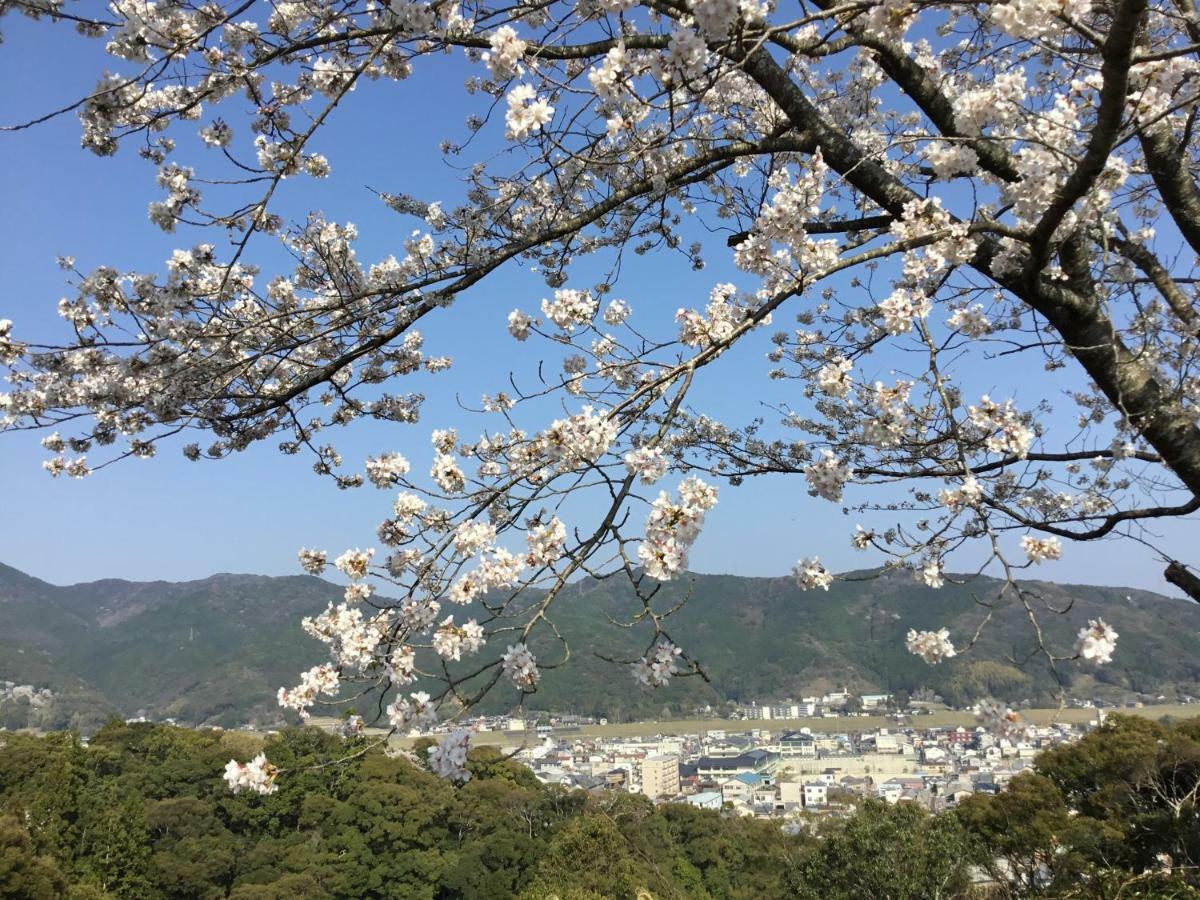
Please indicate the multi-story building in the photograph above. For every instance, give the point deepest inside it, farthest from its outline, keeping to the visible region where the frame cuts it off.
(797, 743)
(660, 776)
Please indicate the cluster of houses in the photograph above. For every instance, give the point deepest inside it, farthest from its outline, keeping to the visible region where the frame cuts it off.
(779, 774)
(835, 703)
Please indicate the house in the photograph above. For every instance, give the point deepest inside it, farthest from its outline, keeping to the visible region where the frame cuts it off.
(886, 742)
(903, 787)
(706, 800)
(616, 779)
(857, 785)
(933, 755)
(832, 743)
(791, 793)
(741, 788)
(816, 793)
(765, 796)
(890, 791)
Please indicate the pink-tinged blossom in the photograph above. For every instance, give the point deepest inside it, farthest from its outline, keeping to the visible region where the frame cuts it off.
(258, 776)
(809, 574)
(546, 542)
(721, 318)
(672, 527)
(10, 349)
(358, 592)
(413, 711)
(472, 536)
(827, 477)
(354, 564)
(521, 667)
(862, 538)
(686, 55)
(519, 324)
(971, 321)
(419, 614)
(605, 78)
(507, 50)
(386, 470)
(570, 309)
(962, 497)
(407, 507)
(648, 463)
(451, 641)
(500, 569)
(833, 378)
(901, 308)
(1038, 550)
(527, 112)
(948, 159)
(616, 312)
(312, 561)
(582, 438)
(446, 474)
(466, 588)
(1036, 18)
(351, 636)
(317, 681)
(656, 668)
(1001, 427)
(930, 573)
(448, 758)
(931, 646)
(402, 665)
(1097, 642)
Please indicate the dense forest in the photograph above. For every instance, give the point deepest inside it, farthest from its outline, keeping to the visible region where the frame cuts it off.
(141, 812)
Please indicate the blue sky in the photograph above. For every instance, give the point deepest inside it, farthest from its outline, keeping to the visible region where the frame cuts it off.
(170, 519)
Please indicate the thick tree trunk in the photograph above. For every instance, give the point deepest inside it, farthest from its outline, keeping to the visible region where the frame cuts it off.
(1179, 576)
(1087, 332)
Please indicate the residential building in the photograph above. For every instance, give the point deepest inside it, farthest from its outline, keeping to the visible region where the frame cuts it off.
(706, 800)
(660, 776)
(797, 743)
(816, 793)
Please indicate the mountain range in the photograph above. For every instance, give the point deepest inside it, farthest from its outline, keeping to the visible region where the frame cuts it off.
(215, 651)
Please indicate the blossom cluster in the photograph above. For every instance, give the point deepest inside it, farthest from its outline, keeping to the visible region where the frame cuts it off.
(1097, 641)
(931, 646)
(672, 527)
(448, 757)
(1041, 549)
(521, 666)
(809, 574)
(656, 668)
(258, 776)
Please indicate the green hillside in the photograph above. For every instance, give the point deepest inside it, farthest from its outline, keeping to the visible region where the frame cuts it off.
(216, 650)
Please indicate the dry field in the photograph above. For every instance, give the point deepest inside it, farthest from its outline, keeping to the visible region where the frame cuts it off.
(835, 725)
